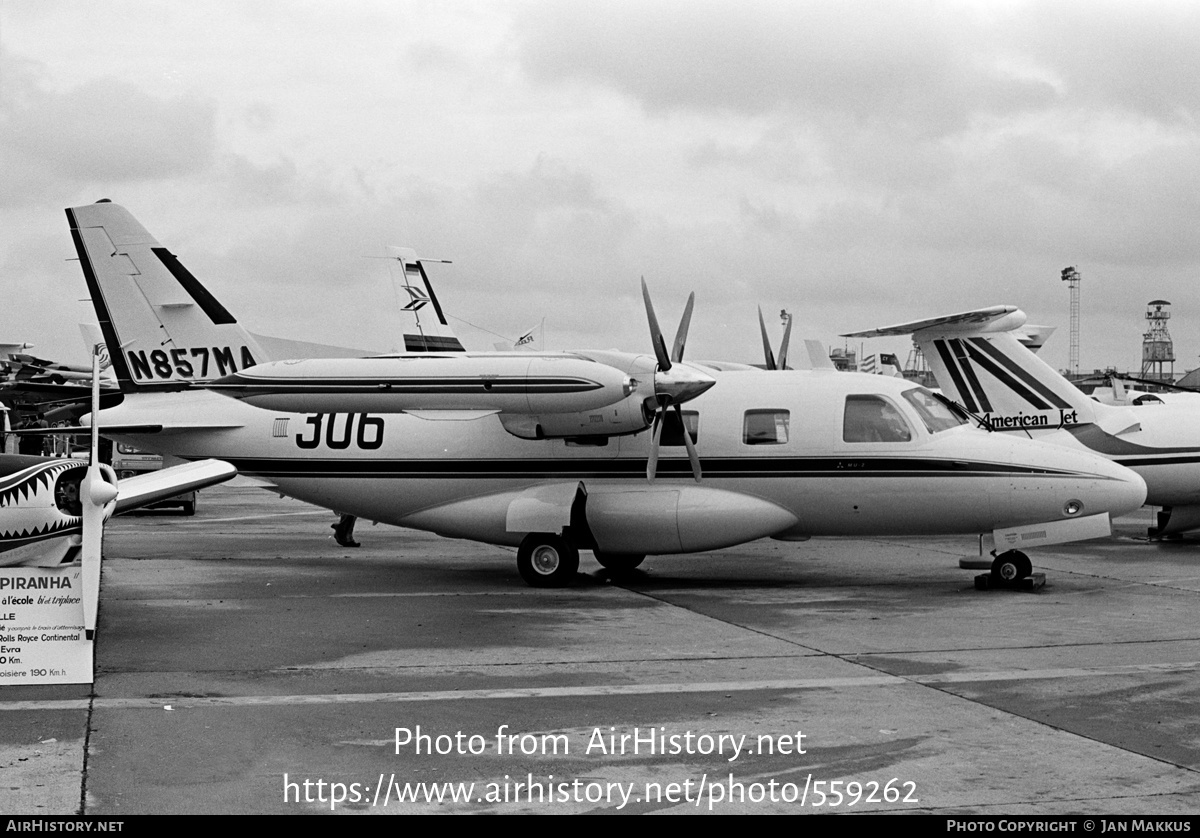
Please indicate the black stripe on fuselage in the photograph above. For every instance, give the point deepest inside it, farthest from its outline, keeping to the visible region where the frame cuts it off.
(632, 467)
(1136, 462)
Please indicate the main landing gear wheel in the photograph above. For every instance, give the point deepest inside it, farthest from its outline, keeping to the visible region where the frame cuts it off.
(1011, 566)
(547, 561)
(619, 562)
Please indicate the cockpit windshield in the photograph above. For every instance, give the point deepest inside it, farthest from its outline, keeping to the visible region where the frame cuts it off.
(932, 410)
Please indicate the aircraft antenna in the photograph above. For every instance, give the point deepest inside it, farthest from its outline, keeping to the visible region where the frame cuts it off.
(1072, 278)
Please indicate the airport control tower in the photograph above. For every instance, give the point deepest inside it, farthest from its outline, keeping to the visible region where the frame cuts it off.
(1157, 349)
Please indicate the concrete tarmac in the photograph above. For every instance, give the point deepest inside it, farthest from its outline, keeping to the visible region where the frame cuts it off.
(245, 663)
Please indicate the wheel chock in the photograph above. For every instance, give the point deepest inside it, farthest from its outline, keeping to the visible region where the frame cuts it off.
(1032, 582)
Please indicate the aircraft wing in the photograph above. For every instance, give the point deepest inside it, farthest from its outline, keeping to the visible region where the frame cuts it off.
(126, 430)
(992, 319)
(145, 489)
(156, 428)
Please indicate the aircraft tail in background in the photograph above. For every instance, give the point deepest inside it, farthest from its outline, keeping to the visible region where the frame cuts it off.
(431, 332)
(980, 362)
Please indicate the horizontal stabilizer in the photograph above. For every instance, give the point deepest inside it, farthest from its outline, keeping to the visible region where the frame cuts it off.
(145, 489)
(278, 349)
(982, 360)
(993, 319)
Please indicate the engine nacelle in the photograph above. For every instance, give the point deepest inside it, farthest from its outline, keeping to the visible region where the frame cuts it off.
(625, 417)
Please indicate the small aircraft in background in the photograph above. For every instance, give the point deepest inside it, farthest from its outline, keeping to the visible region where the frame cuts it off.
(980, 363)
(52, 510)
(1124, 390)
(623, 454)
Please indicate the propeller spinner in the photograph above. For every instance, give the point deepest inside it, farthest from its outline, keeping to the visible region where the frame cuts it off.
(674, 382)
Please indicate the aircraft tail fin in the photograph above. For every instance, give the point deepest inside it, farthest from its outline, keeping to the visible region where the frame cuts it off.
(163, 328)
(980, 362)
(431, 333)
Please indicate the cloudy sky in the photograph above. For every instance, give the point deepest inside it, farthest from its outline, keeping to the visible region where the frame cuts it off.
(858, 163)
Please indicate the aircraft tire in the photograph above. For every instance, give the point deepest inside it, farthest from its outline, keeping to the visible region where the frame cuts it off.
(189, 507)
(545, 560)
(1011, 566)
(618, 562)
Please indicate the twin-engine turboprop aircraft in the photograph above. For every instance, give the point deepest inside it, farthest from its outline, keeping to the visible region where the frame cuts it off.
(552, 451)
(980, 362)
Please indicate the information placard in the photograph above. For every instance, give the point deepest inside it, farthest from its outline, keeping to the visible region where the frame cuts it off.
(42, 640)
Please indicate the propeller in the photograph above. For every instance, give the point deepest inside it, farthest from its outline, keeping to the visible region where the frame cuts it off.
(97, 495)
(783, 347)
(674, 382)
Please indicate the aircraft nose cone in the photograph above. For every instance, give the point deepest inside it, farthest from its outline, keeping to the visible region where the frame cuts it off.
(1113, 488)
(1128, 491)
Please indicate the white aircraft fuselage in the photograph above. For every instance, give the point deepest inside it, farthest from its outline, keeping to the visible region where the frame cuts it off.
(461, 478)
(1161, 442)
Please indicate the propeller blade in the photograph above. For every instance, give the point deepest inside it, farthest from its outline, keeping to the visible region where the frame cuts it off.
(656, 336)
(767, 353)
(693, 455)
(652, 460)
(97, 494)
(783, 347)
(685, 323)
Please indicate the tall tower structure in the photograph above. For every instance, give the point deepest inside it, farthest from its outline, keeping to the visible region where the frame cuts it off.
(1072, 278)
(1157, 348)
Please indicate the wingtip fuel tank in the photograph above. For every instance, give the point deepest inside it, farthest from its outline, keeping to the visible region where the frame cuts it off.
(518, 383)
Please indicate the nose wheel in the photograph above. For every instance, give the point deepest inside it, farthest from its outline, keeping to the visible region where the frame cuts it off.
(1011, 567)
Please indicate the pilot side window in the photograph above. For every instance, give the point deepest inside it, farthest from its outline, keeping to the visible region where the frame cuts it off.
(672, 432)
(873, 419)
(765, 427)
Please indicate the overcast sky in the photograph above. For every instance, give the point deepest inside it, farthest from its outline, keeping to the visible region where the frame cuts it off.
(859, 164)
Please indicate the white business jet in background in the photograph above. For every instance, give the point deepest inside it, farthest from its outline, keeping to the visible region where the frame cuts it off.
(980, 363)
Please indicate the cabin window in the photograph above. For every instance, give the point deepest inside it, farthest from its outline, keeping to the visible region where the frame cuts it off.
(765, 427)
(672, 432)
(873, 419)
